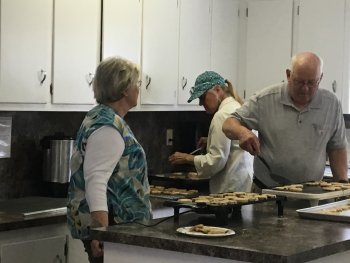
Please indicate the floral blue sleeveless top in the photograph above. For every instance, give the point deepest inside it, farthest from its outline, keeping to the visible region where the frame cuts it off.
(128, 187)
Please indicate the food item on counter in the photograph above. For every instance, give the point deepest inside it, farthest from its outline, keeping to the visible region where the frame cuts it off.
(336, 210)
(232, 198)
(313, 183)
(326, 186)
(192, 175)
(172, 191)
(291, 188)
(331, 188)
(184, 200)
(208, 229)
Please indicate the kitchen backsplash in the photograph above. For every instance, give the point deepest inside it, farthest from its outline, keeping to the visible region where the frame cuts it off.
(21, 175)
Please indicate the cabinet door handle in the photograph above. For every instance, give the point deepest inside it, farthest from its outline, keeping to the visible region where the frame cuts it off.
(334, 86)
(184, 83)
(90, 78)
(42, 76)
(148, 81)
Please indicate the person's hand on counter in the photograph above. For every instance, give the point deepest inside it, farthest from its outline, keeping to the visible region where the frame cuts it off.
(181, 158)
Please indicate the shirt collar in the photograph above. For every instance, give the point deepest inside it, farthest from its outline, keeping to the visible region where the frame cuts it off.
(226, 101)
(316, 102)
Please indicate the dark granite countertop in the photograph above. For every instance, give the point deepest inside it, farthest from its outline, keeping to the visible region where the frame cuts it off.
(31, 211)
(261, 236)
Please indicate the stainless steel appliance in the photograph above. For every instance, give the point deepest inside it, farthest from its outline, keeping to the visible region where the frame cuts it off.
(57, 152)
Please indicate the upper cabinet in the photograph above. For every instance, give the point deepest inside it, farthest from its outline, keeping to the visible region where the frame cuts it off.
(50, 49)
(268, 45)
(49, 52)
(194, 49)
(224, 38)
(121, 29)
(25, 41)
(322, 31)
(160, 42)
(76, 50)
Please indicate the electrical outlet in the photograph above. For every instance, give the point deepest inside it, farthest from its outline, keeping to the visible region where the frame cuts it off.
(169, 137)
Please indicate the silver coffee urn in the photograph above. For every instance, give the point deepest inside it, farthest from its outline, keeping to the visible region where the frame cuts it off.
(57, 152)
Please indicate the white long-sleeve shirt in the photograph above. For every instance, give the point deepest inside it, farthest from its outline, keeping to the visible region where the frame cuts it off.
(101, 157)
(229, 167)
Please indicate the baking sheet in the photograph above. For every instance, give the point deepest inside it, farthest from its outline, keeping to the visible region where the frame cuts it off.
(318, 212)
(179, 176)
(309, 193)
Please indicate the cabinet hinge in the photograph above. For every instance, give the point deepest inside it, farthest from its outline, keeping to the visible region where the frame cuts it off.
(244, 94)
(298, 10)
(238, 12)
(51, 89)
(246, 12)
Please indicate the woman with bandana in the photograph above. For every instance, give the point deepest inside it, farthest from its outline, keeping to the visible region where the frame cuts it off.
(227, 165)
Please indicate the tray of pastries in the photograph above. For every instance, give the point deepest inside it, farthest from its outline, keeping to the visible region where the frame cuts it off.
(221, 202)
(187, 176)
(171, 193)
(336, 211)
(315, 190)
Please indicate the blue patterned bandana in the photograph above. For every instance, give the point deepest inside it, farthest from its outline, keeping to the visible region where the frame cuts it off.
(205, 82)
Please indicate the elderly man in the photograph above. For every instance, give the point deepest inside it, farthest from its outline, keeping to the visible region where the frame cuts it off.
(298, 124)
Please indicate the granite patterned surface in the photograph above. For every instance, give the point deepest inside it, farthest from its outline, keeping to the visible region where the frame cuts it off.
(261, 236)
(31, 211)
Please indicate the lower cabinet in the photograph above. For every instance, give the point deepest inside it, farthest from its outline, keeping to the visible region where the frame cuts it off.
(49, 244)
(37, 250)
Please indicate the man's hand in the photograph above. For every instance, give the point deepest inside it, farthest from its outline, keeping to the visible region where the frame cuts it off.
(249, 142)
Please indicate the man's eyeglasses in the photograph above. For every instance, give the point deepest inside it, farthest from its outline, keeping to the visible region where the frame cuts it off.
(310, 83)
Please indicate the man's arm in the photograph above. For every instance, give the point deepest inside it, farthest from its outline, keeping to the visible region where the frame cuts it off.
(248, 141)
(338, 161)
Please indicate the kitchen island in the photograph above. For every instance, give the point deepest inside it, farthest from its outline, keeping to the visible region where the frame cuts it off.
(261, 236)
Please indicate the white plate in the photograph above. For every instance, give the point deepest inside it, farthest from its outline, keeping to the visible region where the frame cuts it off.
(187, 231)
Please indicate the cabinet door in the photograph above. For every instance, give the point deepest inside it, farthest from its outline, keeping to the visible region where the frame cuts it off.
(76, 50)
(269, 43)
(160, 48)
(194, 50)
(321, 30)
(224, 40)
(25, 65)
(122, 29)
(39, 250)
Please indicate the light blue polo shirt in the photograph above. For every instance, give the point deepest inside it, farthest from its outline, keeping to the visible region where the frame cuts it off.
(293, 142)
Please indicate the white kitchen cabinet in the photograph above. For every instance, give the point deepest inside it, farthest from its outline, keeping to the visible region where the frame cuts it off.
(122, 24)
(25, 41)
(194, 45)
(321, 28)
(76, 50)
(160, 49)
(268, 45)
(33, 251)
(48, 243)
(224, 39)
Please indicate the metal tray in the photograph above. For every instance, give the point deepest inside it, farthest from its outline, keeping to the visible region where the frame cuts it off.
(179, 177)
(309, 193)
(221, 211)
(317, 212)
